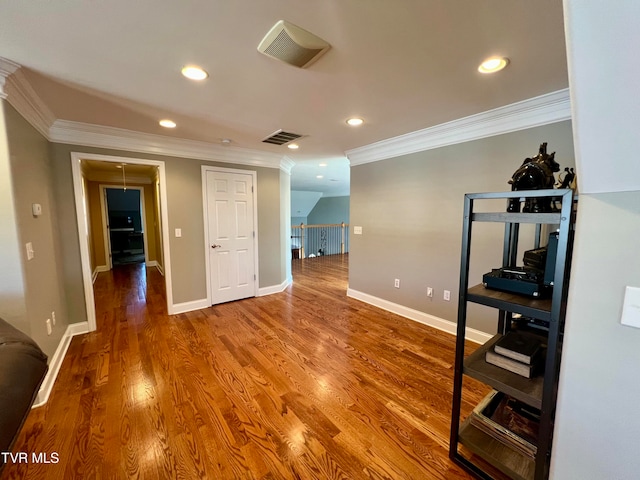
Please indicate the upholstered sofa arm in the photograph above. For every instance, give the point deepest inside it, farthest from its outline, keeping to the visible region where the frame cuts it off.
(22, 369)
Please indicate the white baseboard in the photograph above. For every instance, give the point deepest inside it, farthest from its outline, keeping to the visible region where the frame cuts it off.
(275, 288)
(431, 320)
(154, 263)
(177, 308)
(56, 361)
(99, 268)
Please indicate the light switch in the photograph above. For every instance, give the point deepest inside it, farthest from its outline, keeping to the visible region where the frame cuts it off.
(631, 307)
(36, 209)
(357, 230)
(30, 253)
(178, 232)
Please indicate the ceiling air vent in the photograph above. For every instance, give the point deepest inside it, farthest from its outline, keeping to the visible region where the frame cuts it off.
(280, 137)
(292, 44)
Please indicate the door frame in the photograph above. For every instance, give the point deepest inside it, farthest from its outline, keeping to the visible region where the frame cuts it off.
(83, 228)
(254, 175)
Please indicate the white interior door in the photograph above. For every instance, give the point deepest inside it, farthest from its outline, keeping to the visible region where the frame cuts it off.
(231, 236)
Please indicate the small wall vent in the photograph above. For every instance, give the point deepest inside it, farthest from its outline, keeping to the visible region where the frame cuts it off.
(292, 44)
(281, 137)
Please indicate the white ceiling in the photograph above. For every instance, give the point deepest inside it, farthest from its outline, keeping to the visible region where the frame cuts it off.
(402, 65)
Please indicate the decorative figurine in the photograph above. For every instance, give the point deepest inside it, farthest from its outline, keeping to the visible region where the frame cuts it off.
(534, 174)
(568, 181)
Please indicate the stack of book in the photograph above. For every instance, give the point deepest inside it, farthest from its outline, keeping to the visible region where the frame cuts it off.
(517, 352)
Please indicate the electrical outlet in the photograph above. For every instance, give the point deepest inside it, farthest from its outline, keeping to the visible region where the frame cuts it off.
(53, 318)
(396, 283)
(430, 292)
(447, 295)
(48, 326)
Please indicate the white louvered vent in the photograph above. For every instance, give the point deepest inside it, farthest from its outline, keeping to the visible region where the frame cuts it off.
(281, 137)
(292, 44)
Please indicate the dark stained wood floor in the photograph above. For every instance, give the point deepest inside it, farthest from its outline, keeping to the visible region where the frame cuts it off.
(304, 384)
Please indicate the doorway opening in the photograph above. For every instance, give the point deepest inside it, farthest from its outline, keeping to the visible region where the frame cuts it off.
(125, 232)
(90, 173)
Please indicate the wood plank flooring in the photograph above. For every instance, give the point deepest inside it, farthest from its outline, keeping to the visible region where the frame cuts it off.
(304, 384)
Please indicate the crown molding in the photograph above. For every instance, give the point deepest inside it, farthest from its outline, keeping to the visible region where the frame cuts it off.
(286, 164)
(7, 68)
(22, 97)
(543, 110)
(88, 135)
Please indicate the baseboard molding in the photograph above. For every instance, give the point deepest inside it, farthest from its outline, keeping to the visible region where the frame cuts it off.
(177, 308)
(471, 334)
(159, 268)
(56, 361)
(275, 288)
(99, 268)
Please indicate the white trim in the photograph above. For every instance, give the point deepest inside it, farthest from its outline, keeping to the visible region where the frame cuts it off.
(27, 102)
(204, 170)
(81, 219)
(86, 134)
(76, 158)
(286, 165)
(430, 320)
(275, 288)
(189, 306)
(153, 263)
(99, 269)
(534, 112)
(55, 362)
(7, 68)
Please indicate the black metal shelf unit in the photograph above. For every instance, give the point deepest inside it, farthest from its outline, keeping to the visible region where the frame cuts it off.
(540, 391)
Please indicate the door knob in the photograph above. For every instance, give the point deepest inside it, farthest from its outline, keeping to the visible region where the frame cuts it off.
(216, 246)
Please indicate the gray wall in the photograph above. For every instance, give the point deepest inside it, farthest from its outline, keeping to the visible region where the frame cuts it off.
(184, 196)
(410, 209)
(33, 183)
(13, 308)
(597, 428)
(329, 210)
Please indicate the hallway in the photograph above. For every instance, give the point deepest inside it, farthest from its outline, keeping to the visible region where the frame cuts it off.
(305, 384)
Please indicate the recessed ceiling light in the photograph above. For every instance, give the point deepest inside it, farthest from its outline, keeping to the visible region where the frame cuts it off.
(194, 72)
(319, 176)
(166, 123)
(225, 141)
(293, 146)
(355, 122)
(493, 64)
(322, 164)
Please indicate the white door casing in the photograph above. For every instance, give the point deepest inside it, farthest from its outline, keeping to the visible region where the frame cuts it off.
(230, 233)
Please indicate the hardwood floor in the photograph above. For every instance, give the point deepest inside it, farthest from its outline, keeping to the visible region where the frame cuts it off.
(304, 384)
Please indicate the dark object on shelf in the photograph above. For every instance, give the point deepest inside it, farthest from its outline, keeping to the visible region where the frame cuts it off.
(523, 280)
(534, 174)
(552, 252)
(535, 278)
(509, 421)
(519, 368)
(22, 369)
(536, 258)
(569, 179)
(519, 346)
